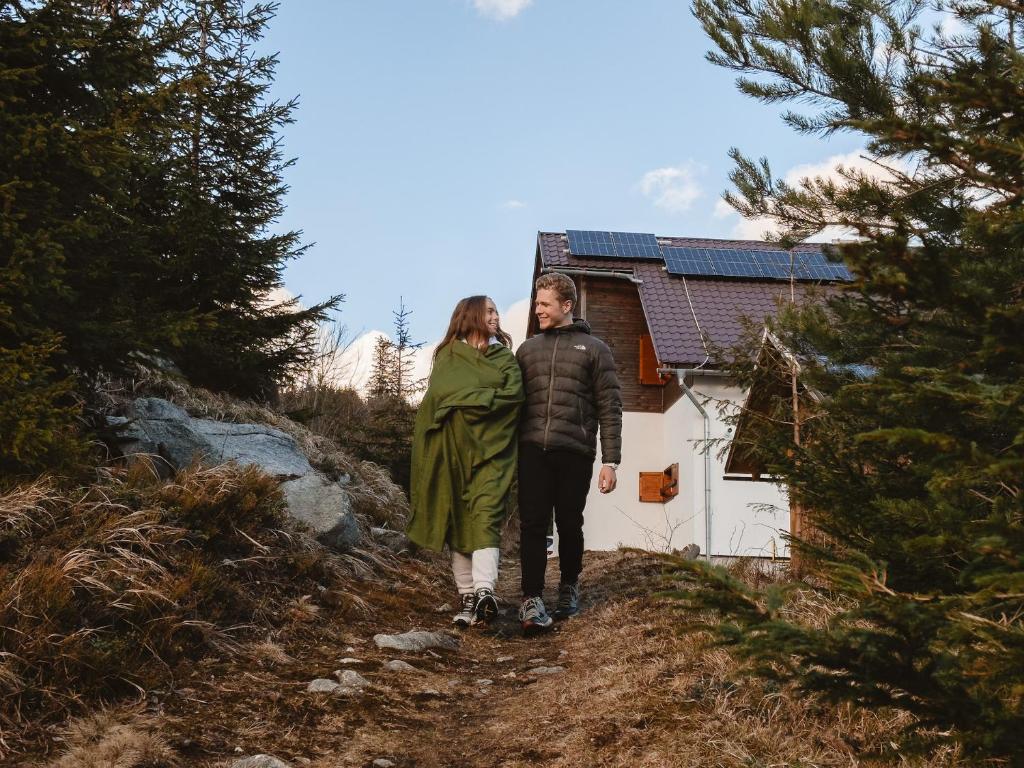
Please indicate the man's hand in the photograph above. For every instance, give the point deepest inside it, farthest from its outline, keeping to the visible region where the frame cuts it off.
(606, 480)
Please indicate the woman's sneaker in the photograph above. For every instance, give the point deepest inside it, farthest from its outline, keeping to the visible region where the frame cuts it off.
(534, 616)
(464, 617)
(486, 609)
(568, 601)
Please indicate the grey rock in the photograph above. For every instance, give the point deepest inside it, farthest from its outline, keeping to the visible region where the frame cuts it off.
(160, 427)
(394, 541)
(163, 428)
(444, 608)
(349, 678)
(690, 552)
(322, 685)
(397, 665)
(536, 661)
(484, 682)
(325, 507)
(547, 670)
(382, 762)
(504, 659)
(349, 660)
(259, 761)
(416, 641)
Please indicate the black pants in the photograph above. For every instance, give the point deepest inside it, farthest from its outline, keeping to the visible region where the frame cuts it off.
(551, 481)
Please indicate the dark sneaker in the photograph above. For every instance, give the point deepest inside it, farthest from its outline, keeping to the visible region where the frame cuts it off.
(568, 601)
(486, 607)
(534, 616)
(464, 617)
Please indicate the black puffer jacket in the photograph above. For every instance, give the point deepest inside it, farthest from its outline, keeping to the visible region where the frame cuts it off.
(571, 388)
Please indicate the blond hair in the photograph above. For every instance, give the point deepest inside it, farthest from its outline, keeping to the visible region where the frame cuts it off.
(562, 285)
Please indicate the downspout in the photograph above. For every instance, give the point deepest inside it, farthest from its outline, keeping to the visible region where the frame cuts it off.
(681, 374)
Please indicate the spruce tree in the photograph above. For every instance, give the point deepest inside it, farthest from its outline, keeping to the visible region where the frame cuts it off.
(75, 82)
(225, 195)
(912, 468)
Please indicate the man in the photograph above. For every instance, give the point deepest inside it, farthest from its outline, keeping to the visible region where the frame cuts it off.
(571, 389)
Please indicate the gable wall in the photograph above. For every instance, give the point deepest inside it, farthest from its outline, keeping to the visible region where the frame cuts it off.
(613, 309)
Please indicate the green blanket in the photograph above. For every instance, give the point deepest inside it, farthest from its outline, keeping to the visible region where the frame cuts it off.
(464, 448)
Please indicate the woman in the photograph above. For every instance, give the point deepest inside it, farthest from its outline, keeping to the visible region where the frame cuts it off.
(464, 453)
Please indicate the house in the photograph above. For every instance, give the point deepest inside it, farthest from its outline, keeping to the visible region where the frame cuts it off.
(668, 307)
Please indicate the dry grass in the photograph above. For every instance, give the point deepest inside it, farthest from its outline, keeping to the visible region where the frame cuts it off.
(105, 589)
(108, 739)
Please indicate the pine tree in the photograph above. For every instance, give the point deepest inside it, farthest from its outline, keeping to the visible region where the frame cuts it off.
(225, 194)
(912, 472)
(74, 83)
(404, 357)
(382, 381)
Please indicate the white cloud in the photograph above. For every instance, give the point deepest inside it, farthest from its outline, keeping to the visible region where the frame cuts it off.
(514, 321)
(502, 10)
(673, 188)
(511, 205)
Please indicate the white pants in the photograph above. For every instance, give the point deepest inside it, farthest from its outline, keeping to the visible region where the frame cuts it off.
(476, 571)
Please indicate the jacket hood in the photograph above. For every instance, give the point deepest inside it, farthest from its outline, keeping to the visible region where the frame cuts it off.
(577, 326)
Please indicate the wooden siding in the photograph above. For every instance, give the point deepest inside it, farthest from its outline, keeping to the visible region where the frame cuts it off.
(613, 309)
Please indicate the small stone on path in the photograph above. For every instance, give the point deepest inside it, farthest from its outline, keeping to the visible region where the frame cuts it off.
(447, 607)
(350, 660)
(547, 670)
(536, 661)
(416, 641)
(322, 685)
(259, 761)
(349, 678)
(382, 762)
(397, 665)
(504, 659)
(485, 682)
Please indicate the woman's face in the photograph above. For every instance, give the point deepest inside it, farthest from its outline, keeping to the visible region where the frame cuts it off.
(491, 317)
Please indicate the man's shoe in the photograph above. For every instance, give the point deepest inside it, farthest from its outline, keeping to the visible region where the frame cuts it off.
(486, 609)
(464, 617)
(534, 616)
(568, 601)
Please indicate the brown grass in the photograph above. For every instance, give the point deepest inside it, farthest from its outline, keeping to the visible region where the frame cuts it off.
(105, 589)
(109, 739)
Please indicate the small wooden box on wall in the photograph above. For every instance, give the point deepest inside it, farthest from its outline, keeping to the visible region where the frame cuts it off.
(661, 486)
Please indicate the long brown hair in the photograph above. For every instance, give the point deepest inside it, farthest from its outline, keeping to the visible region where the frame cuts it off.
(468, 319)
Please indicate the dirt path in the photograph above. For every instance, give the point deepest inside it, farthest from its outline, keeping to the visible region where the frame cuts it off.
(633, 690)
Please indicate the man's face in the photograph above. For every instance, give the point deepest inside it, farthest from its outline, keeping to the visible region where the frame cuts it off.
(551, 313)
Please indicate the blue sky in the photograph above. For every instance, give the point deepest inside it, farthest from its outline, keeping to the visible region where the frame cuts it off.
(434, 138)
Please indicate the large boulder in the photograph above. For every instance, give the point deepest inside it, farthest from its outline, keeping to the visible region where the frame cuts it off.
(159, 427)
(325, 506)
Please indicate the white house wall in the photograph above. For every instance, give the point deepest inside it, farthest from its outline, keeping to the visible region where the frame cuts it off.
(747, 518)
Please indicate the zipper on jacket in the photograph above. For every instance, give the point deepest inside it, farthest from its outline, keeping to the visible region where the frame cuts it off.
(551, 390)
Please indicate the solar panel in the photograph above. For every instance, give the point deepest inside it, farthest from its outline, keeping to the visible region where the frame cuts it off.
(637, 245)
(621, 245)
(776, 264)
(732, 262)
(688, 261)
(588, 243)
(816, 266)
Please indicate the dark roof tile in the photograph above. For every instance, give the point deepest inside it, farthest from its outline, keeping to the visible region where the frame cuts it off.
(680, 310)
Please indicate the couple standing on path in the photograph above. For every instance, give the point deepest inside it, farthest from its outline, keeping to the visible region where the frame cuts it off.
(485, 412)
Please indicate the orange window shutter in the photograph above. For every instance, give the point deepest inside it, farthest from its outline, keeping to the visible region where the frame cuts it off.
(650, 486)
(649, 362)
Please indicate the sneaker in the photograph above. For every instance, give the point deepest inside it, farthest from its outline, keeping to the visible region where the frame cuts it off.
(568, 601)
(486, 606)
(464, 617)
(534, 616)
